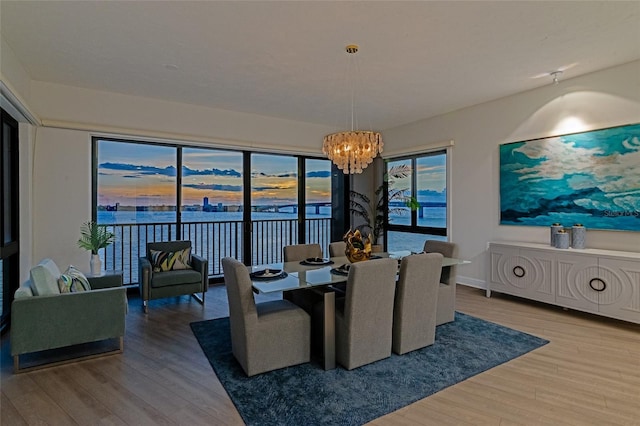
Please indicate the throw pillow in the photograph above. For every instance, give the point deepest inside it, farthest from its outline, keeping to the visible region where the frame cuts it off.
(44, 277)
(162, 261)
(73, 281)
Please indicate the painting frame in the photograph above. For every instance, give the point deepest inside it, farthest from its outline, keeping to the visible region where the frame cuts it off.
(590, 178)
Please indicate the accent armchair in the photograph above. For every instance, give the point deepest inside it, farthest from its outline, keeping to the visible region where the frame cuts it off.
(447, 290)
(163, 273)
(264, 336)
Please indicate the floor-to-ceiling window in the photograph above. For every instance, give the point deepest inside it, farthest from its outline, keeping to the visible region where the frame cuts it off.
(232, 203)
(9, 226)
(274, 195)
(426, 182)
(212, 202)
(318, 200)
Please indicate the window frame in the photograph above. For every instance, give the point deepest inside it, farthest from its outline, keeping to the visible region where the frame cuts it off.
(414, 228)
(301, 160)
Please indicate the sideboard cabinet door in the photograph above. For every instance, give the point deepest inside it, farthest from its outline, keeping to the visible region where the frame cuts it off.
(620, 297)
(522, 272)
(575, 273)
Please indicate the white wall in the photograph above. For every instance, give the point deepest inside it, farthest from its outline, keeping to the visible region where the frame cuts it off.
(603, 99)
(77, 108)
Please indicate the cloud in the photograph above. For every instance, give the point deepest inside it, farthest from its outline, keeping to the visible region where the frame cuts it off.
(141, 170)
(264, 175)
(319, 174)
(167, 171)
(270, 188)
(186, 171)
(214, 187)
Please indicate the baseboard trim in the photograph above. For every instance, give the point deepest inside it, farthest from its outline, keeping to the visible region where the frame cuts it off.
(471, 282)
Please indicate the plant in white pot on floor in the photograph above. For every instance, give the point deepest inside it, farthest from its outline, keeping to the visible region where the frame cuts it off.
(94, 237)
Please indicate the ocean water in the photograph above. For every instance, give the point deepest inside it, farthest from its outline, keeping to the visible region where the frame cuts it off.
(215, 235)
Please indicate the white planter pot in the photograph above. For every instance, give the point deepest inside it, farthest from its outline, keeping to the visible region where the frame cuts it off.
(96, 264)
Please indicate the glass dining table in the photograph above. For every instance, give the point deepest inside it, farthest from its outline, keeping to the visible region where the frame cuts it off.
(317, 275)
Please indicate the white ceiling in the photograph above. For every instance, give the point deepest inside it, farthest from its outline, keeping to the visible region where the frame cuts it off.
(287, 59)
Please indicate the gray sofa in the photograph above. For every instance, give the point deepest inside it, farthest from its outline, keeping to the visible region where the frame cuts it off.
(43, 318)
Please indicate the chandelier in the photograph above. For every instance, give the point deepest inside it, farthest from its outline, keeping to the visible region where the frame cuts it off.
(352, 151)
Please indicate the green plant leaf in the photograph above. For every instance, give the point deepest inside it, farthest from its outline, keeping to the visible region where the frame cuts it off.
(94, 237)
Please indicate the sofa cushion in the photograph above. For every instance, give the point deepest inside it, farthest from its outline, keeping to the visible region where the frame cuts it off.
(169, 278)
(170, 261)
(23, 291)
(73, 281)
(44, 278)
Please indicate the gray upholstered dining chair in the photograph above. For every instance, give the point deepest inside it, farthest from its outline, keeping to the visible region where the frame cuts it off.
(295, 253)
(416, 302)
(191, 277)
(337, 249)
(364, 317)
(298, 252)
(264, 336)
(447, 290)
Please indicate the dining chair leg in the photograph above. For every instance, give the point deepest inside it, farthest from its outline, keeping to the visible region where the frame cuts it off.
(329, 330)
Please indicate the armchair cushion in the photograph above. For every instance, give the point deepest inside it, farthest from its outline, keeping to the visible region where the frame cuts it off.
(44, 278)
(169, 278)
(163, 261)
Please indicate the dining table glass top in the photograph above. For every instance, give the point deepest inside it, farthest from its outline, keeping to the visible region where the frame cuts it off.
(303, 276)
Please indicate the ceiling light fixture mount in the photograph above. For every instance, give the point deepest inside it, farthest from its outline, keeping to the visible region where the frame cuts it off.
(556, 76)
(352, 151)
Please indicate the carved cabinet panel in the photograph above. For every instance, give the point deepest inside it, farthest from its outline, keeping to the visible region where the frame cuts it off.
(521, 272)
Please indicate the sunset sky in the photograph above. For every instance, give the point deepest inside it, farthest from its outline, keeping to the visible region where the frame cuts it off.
(144, 174)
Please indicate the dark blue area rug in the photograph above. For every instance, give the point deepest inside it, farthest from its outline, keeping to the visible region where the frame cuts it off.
(308, 395)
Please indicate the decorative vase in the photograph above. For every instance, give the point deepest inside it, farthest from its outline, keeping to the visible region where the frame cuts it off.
(554, 230)
(562, 239)
(96, 264)
(358, 247)
(578, 234)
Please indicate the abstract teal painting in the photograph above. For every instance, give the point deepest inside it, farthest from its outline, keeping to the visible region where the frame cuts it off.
(591, 178)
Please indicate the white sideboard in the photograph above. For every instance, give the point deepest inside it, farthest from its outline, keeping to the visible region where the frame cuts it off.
(602, 282)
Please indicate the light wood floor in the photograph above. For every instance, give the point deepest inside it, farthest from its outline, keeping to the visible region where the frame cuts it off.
(588, 374)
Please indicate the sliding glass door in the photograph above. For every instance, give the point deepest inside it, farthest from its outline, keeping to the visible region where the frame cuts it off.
(426, 182)
(9, 226)
(240, 204)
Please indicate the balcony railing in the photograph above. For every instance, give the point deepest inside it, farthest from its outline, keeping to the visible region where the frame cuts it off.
(211, 240)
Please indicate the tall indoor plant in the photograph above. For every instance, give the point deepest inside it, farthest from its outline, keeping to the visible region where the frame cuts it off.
(94, 237)
(372, 211)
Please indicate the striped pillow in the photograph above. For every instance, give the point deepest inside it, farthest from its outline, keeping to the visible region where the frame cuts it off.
(163, 261)
(73, 281)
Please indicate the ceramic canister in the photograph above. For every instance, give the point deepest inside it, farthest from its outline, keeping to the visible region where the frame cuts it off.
(562, 239)
(578, 234)
(554, 230)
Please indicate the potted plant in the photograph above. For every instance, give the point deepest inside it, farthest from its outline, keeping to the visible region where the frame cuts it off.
(372, 211)
(94, 237)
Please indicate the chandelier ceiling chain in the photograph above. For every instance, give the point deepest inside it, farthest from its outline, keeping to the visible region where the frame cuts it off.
(352, 151)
